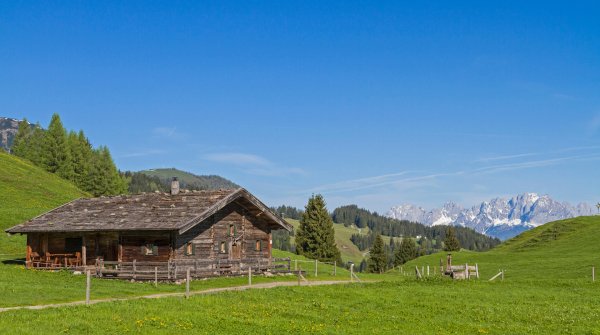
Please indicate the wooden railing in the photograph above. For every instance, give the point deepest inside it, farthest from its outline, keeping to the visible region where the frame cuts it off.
(176, 269)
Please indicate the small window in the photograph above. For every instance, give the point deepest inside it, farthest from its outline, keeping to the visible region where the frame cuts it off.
(232, 230)
(223, 248)
(150, 249)
(258, 245)
(190, 249)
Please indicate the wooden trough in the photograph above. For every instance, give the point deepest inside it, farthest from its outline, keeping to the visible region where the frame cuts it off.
(462, 271)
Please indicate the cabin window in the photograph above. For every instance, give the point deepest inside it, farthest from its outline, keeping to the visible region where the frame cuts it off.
(232, 230)
(190, 249)
(258, 245)
(150, 249)
(223, 248)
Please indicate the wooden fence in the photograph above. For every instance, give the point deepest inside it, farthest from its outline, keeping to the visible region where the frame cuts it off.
(177, 269)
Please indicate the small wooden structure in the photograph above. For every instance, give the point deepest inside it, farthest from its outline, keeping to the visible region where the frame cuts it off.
(213, 233)
(463, 271)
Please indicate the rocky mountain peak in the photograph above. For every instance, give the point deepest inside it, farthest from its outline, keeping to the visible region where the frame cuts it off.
(498, 217)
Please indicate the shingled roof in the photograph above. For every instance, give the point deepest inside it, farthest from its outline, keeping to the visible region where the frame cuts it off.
(154, 211)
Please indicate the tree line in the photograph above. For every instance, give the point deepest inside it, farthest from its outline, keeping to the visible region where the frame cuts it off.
(383, 257)
(70, 155)
(377, 224)
(288, 212)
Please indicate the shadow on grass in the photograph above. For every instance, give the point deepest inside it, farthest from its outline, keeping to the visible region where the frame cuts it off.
(16, 261)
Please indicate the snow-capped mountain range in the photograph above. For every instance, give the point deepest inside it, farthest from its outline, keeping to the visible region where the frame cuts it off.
(502, 218)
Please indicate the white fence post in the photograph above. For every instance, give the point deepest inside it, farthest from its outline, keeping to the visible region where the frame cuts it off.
(352, 272)
(334, 268)
(316, 266)
(249, 275)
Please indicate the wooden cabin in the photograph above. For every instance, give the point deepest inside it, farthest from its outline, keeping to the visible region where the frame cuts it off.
(214, 232)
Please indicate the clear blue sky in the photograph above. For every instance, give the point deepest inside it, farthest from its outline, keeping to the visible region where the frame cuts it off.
(374, 103)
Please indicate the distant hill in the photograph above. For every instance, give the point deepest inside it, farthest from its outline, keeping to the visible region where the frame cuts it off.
(191, 181)
(27, 191)
(564, 249)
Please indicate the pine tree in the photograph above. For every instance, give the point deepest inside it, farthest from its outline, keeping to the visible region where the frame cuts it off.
(377, 256)
(315, 237)
(56, 157)
(81, 155)
(405, 252)
(450, 241)
(104, 178)
(20, 143)
(35, 145)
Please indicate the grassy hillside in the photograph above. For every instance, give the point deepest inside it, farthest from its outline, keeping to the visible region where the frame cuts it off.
(27, 191)
(190, 179)
(348, 250)
(564, 249)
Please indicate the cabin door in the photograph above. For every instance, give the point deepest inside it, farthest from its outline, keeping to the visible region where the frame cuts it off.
(236, 250)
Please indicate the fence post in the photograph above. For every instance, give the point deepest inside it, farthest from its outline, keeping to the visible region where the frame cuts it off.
(169, 269)
(334, 268)
(155, 276)
(187, 283)
(316, 266)
(427, 270)
(299, 271)
(352, 272)
(249, 275)
(87, 288)
(467, 269)
(423, 270)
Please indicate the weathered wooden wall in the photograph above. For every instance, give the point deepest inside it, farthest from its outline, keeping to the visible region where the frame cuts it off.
(132, 246)
(208, 236)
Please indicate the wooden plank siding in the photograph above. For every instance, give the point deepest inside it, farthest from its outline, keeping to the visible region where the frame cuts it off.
(207, 236)
(132, 244)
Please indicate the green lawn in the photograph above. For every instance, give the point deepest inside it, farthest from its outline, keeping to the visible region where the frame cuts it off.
(405, 307)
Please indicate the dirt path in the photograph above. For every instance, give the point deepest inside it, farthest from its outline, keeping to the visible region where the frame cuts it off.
(181, 294)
